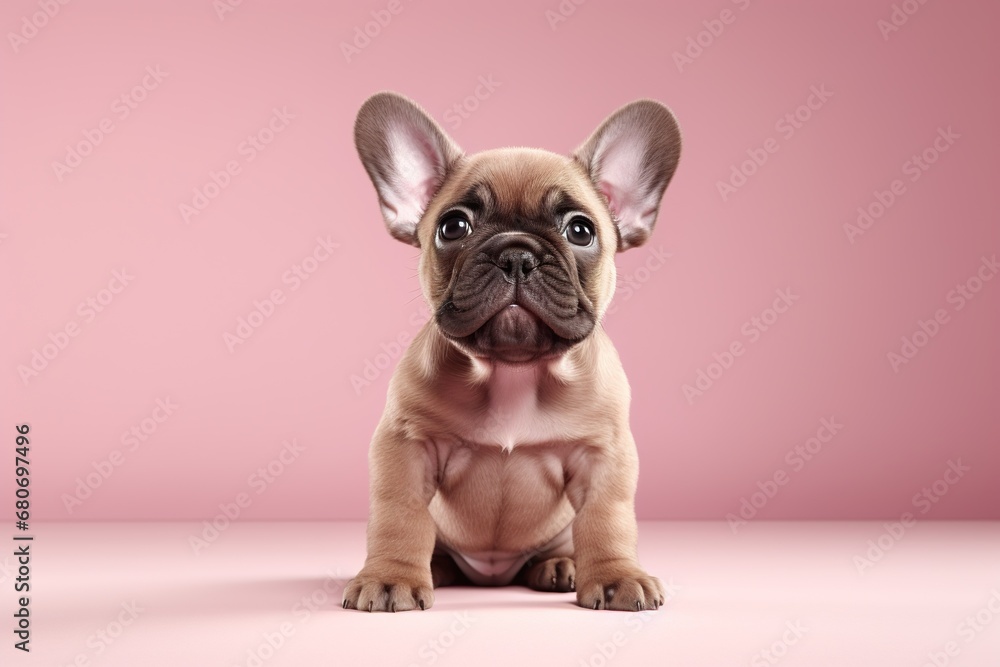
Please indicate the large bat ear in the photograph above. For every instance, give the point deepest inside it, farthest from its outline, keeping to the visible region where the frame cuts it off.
(631, 158)
(406, 155)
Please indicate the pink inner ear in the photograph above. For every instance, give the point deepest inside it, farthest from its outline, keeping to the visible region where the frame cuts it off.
(621, 170)
(622, 203)
(633, 214)
(608, 191)
(417, 165)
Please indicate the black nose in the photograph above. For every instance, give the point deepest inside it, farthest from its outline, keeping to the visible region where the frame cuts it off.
(517, 263)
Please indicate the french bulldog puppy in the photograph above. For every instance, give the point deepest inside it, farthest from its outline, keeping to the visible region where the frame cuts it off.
(504, 453)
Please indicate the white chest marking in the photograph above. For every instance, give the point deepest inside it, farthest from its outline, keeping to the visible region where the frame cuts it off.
(514, 416)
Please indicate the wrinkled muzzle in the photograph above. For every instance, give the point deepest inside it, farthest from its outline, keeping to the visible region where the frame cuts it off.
(517, 299)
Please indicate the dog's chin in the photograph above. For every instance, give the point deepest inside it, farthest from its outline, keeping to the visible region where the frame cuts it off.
(514, 336)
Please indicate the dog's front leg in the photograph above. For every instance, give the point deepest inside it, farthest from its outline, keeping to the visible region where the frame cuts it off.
(605, 534)
(401, 533)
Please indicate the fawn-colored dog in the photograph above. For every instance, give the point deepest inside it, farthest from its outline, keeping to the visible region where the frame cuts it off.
(504, 453)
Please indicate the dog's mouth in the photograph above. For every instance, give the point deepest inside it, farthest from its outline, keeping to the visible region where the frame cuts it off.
(515, 335)
(517, 305)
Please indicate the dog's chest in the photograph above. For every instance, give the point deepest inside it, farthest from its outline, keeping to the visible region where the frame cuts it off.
(515, 416)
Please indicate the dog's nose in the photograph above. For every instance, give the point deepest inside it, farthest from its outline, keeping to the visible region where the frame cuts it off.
(517, 263)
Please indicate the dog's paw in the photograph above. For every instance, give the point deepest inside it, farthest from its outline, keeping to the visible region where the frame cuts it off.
(389, 591)
(620, 590)
(554, 574)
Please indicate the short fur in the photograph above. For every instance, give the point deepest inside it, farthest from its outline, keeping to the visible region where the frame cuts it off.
(504, 452)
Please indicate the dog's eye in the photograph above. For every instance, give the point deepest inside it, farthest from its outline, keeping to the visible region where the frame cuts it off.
(455, 226)
(579, 231)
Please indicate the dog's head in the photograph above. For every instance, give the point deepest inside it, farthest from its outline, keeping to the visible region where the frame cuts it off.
(517, 244)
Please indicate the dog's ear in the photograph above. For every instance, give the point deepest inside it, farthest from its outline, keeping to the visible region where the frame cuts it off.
(407, 155)
(631, 158)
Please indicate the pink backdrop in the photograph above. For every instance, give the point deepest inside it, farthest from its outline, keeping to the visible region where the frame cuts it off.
(164, 168)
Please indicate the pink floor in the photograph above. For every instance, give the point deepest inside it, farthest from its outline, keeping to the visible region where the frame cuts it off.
(777, 593)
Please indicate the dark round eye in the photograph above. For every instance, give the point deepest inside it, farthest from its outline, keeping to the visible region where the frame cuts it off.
(454, 226)
(580, 231)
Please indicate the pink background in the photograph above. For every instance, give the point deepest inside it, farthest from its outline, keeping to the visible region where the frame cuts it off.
(162, 335)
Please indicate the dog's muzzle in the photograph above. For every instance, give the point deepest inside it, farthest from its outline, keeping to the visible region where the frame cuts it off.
(516, 299)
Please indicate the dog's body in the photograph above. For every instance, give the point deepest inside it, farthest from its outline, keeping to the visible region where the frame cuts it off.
(504, 451)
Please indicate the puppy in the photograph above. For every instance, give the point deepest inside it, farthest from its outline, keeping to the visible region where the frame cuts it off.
(504, 453)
